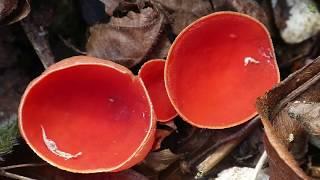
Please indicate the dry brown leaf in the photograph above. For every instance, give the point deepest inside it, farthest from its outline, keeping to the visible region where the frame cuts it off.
(160, 50)
(12, 11)
(303, 85)
(7, 7)
(110, 5)
(182, 12)
(249, 7)
(160, 160)
(126, 40)
(161, 134)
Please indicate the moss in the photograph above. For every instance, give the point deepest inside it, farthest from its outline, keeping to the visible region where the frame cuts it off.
(8, 135)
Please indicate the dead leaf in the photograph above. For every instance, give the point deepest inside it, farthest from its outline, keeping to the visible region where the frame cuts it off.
(110, 5)
(303, 85)
(307, 114)
(161, 134)
(160, 50)
(12, 11)
(196, 145)
(126, 40)
(249, 7)
(160, 160)
(7, 7)
(182, 13)
(189, 140)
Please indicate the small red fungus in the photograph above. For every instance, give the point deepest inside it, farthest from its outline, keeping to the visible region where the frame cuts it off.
(152, 74)
(88, 115)
(217, 67)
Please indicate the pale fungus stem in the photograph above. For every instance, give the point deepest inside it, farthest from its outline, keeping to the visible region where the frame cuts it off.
(52, 146)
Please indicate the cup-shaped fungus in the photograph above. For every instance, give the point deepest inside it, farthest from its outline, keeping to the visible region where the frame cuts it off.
(152, 74)
(217, 67)
(88, 115)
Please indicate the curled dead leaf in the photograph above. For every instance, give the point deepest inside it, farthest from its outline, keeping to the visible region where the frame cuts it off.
(161, 49)
(160, 160)
(183, 13)
(303, 85)
(161, 134)
(249, 7)
(126, 40)
(12, 11)
(110, 5)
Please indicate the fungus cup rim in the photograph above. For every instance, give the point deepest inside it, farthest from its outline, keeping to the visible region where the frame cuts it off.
(166, 79)
(80, 61)
(139, 73)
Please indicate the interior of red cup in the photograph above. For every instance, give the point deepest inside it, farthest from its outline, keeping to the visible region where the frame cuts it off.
(152, 74)
(92, 109)
(217, 67)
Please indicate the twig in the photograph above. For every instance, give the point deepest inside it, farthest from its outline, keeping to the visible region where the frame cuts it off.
(13, 176)
(71, 46)
(241, 134)
(214, 154)
(21, 166)
(259, 165)
(4, 173)
(211, 161)
(188, 165)
(37, 36)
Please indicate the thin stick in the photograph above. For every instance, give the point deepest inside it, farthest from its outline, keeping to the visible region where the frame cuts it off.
(211, 161)
(37, 36)
(71, 46)
(14, 176)
(259, 165)
(241, 134)
(22, 166)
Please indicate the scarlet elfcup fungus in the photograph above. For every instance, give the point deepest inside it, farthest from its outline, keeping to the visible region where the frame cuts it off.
(88, 115)
(152, 75)
(217, 67)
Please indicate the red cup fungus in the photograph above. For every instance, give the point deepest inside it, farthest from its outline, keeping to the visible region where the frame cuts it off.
(88, 115)
(152, 75)
(217, 67)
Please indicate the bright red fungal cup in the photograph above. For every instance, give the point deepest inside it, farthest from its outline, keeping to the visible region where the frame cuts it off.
(88, 115)
(217, 67)
(152, 74)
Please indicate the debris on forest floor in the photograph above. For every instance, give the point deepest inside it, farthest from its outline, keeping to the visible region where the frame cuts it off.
(131, 32)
